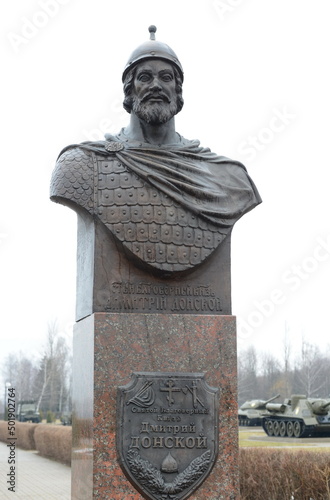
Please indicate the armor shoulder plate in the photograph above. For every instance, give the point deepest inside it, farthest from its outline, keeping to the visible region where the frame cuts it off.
(72, 179)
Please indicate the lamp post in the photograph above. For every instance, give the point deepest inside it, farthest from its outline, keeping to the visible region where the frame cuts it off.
(5, 408)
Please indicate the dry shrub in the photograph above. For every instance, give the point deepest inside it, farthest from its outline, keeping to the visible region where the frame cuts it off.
(24, 432)
(25, 435)
(270, 474)
(54, 441)
(3, 430)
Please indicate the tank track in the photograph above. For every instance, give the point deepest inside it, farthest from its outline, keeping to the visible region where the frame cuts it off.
(287, 427)
(244, 421)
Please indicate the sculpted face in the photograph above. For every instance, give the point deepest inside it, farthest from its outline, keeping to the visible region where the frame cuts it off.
(154, 92)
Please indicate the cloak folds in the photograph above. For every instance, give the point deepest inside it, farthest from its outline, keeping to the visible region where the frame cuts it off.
(216, 188)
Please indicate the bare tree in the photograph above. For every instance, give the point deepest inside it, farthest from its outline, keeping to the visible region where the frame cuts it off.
(312, 371)
(270, 376)
(21, 372)
(47, 380)
(262, 375)
(53, 377)
(247, 374)
(287, 372)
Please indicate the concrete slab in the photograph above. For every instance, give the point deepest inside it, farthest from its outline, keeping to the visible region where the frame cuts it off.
(36, 477)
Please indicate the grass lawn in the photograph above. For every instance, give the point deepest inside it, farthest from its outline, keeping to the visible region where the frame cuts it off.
(255, 437)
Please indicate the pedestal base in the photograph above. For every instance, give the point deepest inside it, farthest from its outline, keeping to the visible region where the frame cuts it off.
(108, 347)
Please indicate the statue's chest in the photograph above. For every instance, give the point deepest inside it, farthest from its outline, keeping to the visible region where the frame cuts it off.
(149, 224)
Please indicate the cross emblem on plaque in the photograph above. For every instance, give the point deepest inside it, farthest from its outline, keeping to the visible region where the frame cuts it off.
(170, 389)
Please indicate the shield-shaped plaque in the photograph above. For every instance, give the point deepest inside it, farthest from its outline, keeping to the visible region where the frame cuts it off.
(167, 433)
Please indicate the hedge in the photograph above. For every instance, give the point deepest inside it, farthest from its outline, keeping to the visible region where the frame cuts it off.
(51, 441)
(272, 474)
(24, 432)
(54, 441)
(265, 473)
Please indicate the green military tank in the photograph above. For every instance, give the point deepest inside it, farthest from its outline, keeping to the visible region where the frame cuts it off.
(250, 413)
(297, 417)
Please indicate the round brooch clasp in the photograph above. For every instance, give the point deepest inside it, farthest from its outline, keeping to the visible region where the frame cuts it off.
(113, 146)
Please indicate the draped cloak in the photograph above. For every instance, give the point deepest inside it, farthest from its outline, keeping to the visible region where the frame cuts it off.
(214, 188)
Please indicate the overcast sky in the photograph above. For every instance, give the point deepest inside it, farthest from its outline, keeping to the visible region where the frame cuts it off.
(256, 89)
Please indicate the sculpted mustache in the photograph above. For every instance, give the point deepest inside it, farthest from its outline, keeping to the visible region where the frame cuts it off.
(152, 96)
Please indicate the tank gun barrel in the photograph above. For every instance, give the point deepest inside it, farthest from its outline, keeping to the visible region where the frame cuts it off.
(276, 407)
(320, 407)
(272, 399)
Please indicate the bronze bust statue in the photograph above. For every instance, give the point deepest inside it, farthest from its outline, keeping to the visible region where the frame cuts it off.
(166, 203)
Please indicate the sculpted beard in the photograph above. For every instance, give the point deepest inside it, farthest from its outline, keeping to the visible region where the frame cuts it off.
(154, 113)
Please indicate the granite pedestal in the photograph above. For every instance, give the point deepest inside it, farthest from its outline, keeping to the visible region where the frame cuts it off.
(108, 347)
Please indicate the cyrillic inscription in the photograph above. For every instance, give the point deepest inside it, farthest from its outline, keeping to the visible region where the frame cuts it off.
(167, 432)
(126, 296)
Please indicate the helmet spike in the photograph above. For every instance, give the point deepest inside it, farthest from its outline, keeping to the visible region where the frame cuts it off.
(152, 31)
(152, 49)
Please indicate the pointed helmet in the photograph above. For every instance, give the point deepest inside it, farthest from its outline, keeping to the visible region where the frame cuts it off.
(152, 49)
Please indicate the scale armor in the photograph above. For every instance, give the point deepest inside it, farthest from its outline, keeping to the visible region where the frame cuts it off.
(153, 227)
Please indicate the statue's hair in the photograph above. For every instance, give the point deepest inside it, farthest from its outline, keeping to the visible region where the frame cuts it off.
(128, 88)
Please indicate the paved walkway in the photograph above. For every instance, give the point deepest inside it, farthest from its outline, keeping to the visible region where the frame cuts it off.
(37, 478)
